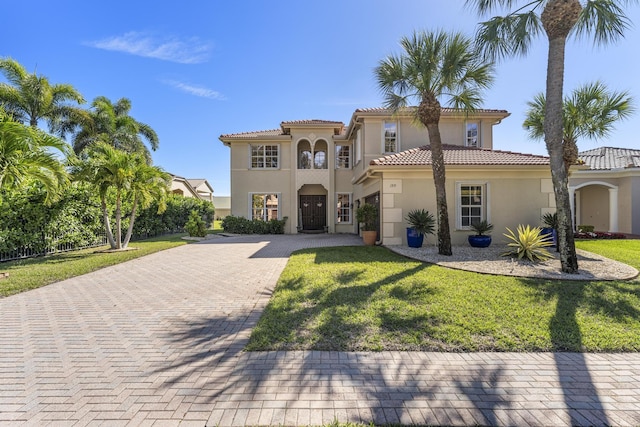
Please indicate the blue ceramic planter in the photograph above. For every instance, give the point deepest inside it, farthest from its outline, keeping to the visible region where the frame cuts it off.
(479, 241)
(414, 238)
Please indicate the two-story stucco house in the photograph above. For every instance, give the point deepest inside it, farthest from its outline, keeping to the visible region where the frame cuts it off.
(317, 172)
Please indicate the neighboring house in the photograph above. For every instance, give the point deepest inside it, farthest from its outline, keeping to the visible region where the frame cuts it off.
(607, 190)
(317, 172)
(223, 206)
(197, 188)
(203, 189)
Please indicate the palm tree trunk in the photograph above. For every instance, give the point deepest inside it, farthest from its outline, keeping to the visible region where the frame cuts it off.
(107, 224)
(118, 221)
(553, 134)
(437, 164)
(131, 219)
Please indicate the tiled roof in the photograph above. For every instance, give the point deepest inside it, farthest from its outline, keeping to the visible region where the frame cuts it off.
(459, 155)
(444, 110)
(255, 134)
(283, 129)
(311, 122)
(606, 158)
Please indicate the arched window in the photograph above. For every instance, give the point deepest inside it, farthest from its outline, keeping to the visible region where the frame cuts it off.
(304, 155)
(320, 155)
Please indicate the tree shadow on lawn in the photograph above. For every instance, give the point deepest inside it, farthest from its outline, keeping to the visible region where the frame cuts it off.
(383, 388)
(578, 388)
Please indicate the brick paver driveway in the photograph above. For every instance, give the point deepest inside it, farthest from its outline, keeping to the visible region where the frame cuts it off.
(158, 341)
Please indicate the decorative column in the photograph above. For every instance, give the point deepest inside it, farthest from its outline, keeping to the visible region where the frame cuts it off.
(613, 210)
(572, 202)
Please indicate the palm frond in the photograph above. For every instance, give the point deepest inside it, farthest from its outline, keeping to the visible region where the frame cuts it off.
(511, 35)
(604, 20)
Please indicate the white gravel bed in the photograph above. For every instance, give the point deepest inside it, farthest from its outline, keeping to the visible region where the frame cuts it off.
(490, 261)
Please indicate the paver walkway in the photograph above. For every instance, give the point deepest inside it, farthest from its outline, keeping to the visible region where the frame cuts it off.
(158, 341)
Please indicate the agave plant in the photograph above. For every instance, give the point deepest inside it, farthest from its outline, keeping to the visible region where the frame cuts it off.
(529, 243)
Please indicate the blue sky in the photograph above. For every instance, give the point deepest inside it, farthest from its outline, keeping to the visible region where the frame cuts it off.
(201, 68)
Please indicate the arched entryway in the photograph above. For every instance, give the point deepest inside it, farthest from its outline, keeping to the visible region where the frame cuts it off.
(312, 209)
(596, 203)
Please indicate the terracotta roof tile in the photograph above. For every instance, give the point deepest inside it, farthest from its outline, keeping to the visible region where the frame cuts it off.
(311, 122)
(444, 110)
(606, 158)
(459, 155)
(255, 134)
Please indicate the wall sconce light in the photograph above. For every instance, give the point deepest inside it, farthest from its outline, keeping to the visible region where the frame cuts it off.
(319, 204)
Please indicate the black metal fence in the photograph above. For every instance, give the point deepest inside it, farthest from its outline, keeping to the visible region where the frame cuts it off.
(50, 245)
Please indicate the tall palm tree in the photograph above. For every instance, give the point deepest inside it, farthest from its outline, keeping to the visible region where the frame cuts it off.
(149, 183)
(513, 34)
(111, 123)
(30, 97)
(25, 154)
(435, 67)
(126, 174)
(589, 112)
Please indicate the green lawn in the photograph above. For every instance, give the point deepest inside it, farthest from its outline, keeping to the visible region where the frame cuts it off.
(367, 298)
(35, 272)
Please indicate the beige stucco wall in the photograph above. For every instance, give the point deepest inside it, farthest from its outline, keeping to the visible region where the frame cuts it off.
(514, 197)
(180, 187)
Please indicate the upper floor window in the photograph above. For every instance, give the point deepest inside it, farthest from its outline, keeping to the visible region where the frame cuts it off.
(343, 156)
(305, 158)
(472, 204)
(390, 137)
(265, 156)
(320, 154)
(473, 134)
(358, 146)
(265, 207)
(343, 208)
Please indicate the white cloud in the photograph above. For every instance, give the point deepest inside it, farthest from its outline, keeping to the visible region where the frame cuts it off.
(184, 51)
(200, 91)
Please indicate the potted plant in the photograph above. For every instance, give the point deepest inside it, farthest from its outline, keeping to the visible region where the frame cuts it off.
(367, 216)
(420, 222)
(480, 239)
(550, 221)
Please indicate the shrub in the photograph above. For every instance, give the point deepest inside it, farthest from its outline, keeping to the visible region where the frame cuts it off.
(422, 221)
(599, 235)
(550, 220)
(195, 226)
(528, 243)
(241, 225)
(174, 218)
(585, 228)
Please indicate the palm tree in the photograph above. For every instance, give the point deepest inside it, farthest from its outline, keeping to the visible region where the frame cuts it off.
(149, 183)
(29, 97)
(129, 176)
(435, 66)
(25, 154)
(513, 34)
(111, 123)
(589, 112)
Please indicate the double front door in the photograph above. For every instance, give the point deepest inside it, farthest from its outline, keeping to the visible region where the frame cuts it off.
(314, 212)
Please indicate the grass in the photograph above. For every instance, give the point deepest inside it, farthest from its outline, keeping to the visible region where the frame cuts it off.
(369, 299)
(36, 272)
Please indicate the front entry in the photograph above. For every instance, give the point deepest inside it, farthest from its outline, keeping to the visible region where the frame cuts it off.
(313, 210)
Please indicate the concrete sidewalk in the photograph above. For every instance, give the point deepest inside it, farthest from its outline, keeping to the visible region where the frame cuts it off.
(158, 341)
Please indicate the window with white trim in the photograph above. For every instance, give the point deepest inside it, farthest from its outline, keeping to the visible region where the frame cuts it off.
(265, 156)
(472, 204)
(358, 146)
(473, 134)
(343, 156)
(343, 208)
(390, 137)
(265, 207)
